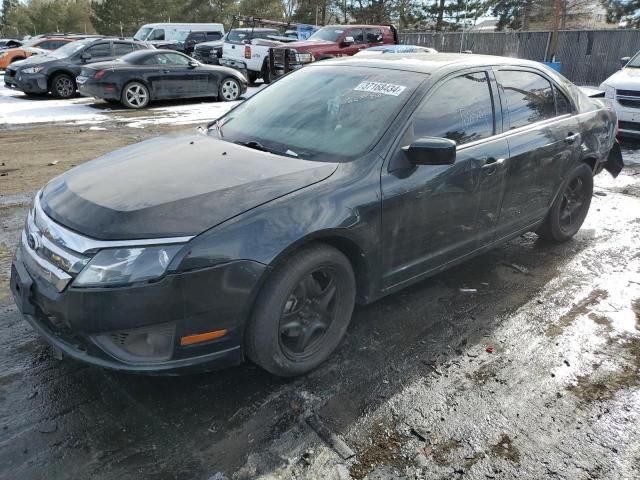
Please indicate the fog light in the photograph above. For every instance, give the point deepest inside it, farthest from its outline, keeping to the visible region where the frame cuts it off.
(146, 344)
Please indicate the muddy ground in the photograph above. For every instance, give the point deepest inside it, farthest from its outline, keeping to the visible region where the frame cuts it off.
(536, 374)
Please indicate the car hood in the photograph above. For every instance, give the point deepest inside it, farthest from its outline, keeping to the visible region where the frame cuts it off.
(36, 60)
(625, 79)
(212, 43)
(172, 186)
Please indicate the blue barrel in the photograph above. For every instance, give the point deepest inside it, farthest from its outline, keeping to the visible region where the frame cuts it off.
(555, 65)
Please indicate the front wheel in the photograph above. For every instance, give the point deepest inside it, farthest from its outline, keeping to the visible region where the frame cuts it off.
(63, 86)
(135, 95)
(302, 311)
(229, 89)
(570, 207)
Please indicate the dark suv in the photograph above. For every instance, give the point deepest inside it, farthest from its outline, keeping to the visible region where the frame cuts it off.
(56, 71)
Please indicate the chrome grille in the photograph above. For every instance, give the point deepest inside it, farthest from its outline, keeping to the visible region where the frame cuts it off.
(628, 98)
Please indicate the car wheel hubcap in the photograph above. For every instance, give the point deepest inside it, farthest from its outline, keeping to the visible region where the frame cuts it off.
(64, 86)
(308, 314)
(136, 96)
(572, 203)
(230, 90)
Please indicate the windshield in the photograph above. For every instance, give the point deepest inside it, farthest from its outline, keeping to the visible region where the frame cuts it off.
(67, 50)
(142, 33)
(635, 61)
(31, 42)
(330, 34)
(323, 113)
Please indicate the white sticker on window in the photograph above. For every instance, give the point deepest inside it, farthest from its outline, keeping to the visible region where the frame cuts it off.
(383, 88)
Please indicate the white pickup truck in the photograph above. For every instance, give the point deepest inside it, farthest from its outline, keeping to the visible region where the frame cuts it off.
(247, 50)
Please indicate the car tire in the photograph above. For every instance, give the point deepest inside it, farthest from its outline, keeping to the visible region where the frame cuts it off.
(571, 206)
(63, 86)
(253, 76)
(229, 89)
(317, 287)
(135, 95)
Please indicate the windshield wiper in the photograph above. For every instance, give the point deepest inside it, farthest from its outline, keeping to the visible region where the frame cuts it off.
(259, 146)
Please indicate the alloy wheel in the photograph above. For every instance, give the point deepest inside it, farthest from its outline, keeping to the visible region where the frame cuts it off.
(64, 87)
(136, 96)
(308, 314)
(230, 89)
(572, 203)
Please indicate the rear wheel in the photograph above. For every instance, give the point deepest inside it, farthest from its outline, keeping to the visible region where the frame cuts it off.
(63, 86)
(229, 89)
(302, 311)
(135, 95)
(570, 208)
(253, 76)
(266, 72)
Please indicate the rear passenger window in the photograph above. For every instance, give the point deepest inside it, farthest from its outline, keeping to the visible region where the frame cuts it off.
(461, 109)
(529, 97)
(563, 105)
(122, 48)
(374, 35)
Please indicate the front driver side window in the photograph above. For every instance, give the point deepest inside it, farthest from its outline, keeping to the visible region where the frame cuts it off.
(357, 34)
(157, 34)
(460, 109)
(101, 50)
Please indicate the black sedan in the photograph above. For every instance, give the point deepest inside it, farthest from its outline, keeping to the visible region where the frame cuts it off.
(255, 239)
(140, 77)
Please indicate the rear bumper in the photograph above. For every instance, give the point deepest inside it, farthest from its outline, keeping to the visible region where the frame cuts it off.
(82, 323)
(33, 83)
(108, 91)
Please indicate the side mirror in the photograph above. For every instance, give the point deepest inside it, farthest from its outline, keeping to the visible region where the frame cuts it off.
(85, 56)
(348, 41)
(624, 61)
(431, 151)
(193, 64)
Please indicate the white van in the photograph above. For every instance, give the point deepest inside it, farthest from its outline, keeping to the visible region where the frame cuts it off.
(174, 32)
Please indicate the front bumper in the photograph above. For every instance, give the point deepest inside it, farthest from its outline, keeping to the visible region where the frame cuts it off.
(75, 320)
(31, 83)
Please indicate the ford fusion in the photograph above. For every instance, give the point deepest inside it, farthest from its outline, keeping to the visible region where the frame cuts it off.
(255, 239)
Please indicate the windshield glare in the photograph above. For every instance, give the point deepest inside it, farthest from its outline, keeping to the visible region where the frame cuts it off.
(322, 113)
(329, 34)
(143, 33)
(67, 50)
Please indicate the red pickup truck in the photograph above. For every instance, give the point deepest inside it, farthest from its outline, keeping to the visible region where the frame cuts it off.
(327, 42)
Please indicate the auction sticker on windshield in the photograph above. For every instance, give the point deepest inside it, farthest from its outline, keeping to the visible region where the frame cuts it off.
(377, 87)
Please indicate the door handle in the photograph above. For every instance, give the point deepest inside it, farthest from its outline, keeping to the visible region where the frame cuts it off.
(166, 71)
(572, 137)
(493, 162)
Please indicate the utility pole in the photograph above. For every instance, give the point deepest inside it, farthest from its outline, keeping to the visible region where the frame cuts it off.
(554, 33)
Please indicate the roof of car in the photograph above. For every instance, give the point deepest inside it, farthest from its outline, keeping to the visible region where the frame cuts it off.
(256, 29)
(419, 62)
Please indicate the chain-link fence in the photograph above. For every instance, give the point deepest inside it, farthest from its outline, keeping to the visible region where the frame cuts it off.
(587, 56)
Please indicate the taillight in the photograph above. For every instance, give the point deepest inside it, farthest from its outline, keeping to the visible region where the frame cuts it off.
(99, 74)
(247, 52)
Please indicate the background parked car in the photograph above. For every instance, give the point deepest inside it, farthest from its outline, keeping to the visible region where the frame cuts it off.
(209, 52)
(330, 41)
(623, 90)
(9, 43)
(56, 72)
(143, 76)
(242, 51)
(31, 47)
(385, 49)
(159, 34)
(188, 41)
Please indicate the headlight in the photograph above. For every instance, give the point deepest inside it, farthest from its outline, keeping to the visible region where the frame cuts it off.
(304, 57)
(33, 69)
(118, 266)
(609, 92)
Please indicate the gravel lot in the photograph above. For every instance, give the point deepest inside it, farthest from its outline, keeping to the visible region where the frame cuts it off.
(535, 374)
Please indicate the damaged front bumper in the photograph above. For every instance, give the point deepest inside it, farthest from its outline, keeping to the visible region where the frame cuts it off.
(142, 327)
(614, 163)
